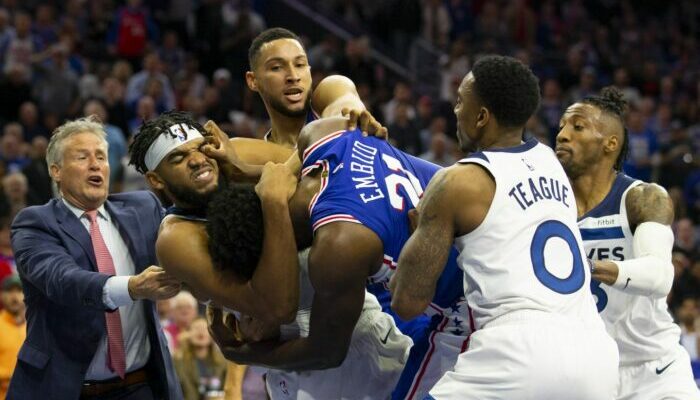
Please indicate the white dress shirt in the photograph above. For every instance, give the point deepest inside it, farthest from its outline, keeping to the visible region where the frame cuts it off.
(115, 294)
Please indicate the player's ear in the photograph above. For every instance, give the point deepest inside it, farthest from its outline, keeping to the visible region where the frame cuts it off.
(611, 144)
(483, 117)
(251, 81)
(154, 181)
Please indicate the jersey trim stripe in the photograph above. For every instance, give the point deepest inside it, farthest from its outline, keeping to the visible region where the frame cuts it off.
(426, 360)
(602, 233)
(324, 182)
(335, 218)
(309, 150)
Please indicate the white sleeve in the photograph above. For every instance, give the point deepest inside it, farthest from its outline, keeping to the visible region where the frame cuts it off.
(650, 272)
(115, 292)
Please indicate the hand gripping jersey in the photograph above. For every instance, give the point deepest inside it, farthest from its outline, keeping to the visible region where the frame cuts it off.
(365, 180)
(642, 326)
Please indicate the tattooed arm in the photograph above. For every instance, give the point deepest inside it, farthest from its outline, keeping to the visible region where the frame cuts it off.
(650, 271)
(454, 203)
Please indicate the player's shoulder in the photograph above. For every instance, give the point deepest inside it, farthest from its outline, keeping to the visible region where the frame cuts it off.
(649, 202)
(178, 232)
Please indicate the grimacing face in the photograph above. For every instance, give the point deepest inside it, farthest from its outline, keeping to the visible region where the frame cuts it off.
(83, 173)
(282, 76)
(580, 139)
(186, 174)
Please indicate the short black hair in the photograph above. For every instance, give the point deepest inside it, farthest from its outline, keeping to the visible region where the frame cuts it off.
(149, 131)
(267, 36)
(613, 102)
(507, 88)
(235, 229)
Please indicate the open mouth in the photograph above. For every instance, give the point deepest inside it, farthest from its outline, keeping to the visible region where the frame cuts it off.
(95, 180)
(294, 95)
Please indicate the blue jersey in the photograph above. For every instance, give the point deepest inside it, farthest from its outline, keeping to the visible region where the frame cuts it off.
(366, 181)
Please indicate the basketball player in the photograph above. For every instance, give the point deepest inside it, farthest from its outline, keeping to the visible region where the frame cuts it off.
(281, 75)
(510, 212)
(352, 206)
(625, 225)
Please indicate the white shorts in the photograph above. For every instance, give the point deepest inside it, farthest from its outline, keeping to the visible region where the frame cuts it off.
(530, 355)
(378, 353)
(669, 377)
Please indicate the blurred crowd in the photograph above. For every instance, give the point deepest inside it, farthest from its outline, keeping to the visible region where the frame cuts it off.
(128, 61)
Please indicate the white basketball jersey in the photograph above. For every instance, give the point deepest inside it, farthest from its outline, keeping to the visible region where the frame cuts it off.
(527, 253)
(641, 325)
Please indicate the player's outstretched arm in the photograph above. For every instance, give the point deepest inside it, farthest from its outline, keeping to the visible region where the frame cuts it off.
(339, 262)
(424, 256)
(650, 272)
(272, 295)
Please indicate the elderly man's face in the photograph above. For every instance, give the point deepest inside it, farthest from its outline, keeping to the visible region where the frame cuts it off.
(83, 175)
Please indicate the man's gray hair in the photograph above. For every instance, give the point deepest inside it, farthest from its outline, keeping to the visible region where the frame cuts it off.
(90, 124)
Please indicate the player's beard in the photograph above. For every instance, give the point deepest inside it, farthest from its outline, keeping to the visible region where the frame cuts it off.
(191, 197)
(279, 106)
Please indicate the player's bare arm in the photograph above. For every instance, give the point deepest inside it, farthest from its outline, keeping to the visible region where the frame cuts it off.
(241, 159)
(454, 203)
(339, 262)
(337, 95)
(648, 203)
(650, 214)
(272, 295)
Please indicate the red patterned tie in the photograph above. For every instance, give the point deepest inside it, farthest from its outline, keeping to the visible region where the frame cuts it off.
(116, 360)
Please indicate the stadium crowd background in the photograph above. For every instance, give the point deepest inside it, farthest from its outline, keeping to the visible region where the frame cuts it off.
(129, 61)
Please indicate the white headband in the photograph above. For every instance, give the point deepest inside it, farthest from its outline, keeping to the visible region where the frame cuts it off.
(166, 143)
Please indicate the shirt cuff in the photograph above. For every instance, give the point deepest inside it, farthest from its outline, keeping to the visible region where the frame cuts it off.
(115, 293)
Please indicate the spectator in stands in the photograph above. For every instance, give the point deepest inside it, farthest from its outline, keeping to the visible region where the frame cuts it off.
(551, 107)
(688, 317)
(184, 311)
(436, 24)
(686, 236)
(145, 110)
(643, 153)
(440, 151)
(11, 148)
(172, 55)
(16, 191)
(138, 84)
(113, 97)
(15, 89)
(22, 46)
(29, 118)
(37, 172)
(404, 132)
(56, 89)
(584, 88)
(131, 31)
(45, 27)
(200, 366)
(13, 326)
(402, 95)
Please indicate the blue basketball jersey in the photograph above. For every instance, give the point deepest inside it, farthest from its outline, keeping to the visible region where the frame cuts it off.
(365, 180)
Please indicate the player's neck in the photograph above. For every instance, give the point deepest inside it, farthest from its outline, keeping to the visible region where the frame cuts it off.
(502, 139)
(285, 129)
(592, 187)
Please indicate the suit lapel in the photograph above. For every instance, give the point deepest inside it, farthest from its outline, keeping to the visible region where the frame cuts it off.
(72, 226)
(128, 224)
